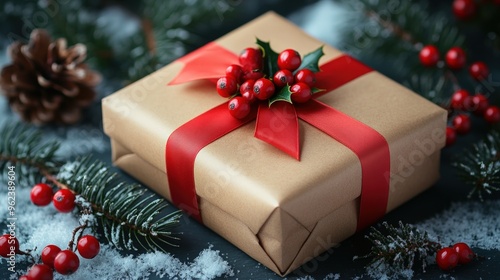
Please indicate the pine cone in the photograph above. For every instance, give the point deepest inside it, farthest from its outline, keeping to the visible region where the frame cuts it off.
(47, 82)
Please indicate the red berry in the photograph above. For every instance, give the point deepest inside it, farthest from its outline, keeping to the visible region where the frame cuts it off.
(248, 95)
(289, 59)
(458, 99)
(247, 86)
(429, 56)
(8, 245)
(235, 71)
(447, 258)
(305, 76)
(49, 253)
(239, 107)
(66, 262)
(246, 90)
(455, 58)
(40, 272)
(88, 246)
(477, 103)
(227, 86)
(461, 123)
(451, 136)
(492, 114)
(464, 9)
(23, 277)
(252, 58)
(465, 254)
(479, 71)
(283, 77)
(64, 200)
(301, 92)
(41, 194)
(263, 89)
(252, 75)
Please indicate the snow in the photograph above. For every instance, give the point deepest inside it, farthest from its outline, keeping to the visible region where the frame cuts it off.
(472, 222)
(330, 276)
(39, 226)
(382, 272)
(79, 140)
(208, 265)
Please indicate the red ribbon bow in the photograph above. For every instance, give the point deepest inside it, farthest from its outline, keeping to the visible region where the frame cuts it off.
(277, 125)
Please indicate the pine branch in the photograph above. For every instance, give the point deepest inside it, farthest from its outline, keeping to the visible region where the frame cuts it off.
(392, 28)
(396, 31)
(169, 30)
(124, 210)
(129, 216)
(432, 87)
(479, 166)
(33, 157)
(400, 248)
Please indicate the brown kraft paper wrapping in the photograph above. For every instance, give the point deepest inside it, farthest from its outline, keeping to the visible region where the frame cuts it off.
(280, 211)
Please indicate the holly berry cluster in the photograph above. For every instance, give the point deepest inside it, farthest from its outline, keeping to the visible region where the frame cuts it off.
(42, 194)
(467, 9)
(455, 59)
(462, 101)
(263, 76)
(53, 258)
(449, 257)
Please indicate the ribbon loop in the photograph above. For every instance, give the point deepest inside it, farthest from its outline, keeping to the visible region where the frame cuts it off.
(207, 62)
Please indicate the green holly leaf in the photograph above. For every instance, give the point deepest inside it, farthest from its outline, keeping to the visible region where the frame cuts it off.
(286, 95)
(270, 58)
(311, 60)
(283, 95)
(316, 90)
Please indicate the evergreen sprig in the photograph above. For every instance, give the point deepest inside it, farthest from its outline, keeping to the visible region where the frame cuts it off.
(26, 149)
(399, 27)
(396, 31)
(169, 29)
(400, 248)
(128, 215)
(479, 165)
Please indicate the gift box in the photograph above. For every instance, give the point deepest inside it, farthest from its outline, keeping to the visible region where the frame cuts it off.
(367, 145)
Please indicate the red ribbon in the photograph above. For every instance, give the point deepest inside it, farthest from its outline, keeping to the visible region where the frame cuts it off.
(278, 125)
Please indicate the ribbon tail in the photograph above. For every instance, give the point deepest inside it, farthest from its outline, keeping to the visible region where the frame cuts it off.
(206, 63)
(278, 125)
(371, 148)
(184, 144)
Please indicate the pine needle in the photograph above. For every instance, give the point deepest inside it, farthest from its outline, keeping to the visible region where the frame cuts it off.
(130, 217)
(400, 249)
(479, 166)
